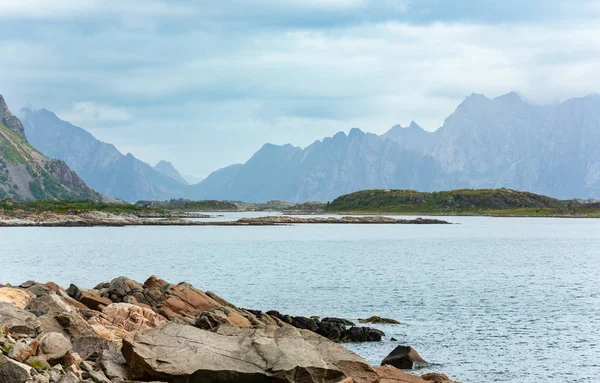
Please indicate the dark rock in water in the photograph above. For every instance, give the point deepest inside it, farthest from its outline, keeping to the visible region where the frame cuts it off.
(332, 330)
(403, 357)
(363, 334)
(306, 323)
(379, 320)
(342, 321)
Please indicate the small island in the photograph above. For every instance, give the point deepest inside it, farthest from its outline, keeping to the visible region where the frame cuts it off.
(469, 202)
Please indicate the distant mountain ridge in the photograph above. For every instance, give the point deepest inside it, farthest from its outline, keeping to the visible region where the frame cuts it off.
(99, 164)
(485, 143)
(26, 174)
(167, 168)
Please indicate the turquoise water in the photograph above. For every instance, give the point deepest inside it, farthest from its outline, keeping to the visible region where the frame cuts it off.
(485, 300)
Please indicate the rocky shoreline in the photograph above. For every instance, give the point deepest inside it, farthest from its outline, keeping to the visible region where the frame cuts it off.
(124, 331)
(87, 219)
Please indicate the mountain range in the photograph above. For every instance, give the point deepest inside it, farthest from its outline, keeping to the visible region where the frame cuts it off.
(486, 143)
(100, 165)
(26, 174)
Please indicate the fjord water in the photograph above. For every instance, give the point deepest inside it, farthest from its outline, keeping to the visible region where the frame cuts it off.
(485, 300)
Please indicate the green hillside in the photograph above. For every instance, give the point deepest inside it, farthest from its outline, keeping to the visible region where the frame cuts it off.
(460, 202)
(26, 174)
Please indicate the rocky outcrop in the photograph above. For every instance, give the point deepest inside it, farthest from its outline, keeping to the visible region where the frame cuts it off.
(202, 338)
(10, 121)
(26, 174)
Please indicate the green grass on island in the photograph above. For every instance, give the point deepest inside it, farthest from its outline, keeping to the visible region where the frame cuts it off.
(72, 206)
(493, 202)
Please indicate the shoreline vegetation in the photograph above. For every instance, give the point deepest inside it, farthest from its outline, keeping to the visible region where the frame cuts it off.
(125, 331)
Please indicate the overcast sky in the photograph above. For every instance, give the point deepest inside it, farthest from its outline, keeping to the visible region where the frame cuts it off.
(205, 84)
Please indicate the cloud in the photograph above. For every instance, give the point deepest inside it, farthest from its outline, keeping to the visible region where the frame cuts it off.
(58, 9)
(91, 113)
(210, 82)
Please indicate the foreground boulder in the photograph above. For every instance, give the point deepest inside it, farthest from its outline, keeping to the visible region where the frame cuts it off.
(18, 320)
(403, 357)
(16, 297)
(12, 371)
(232, 354)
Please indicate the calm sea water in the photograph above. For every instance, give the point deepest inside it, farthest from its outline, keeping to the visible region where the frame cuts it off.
(486, 300)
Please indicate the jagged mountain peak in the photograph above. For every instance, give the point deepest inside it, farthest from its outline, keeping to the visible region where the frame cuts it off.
(167, 168)
(9, 120)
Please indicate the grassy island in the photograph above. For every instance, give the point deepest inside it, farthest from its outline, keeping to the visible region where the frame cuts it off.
(493, 202)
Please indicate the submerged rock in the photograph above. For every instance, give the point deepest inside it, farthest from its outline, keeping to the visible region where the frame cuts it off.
(379, 320)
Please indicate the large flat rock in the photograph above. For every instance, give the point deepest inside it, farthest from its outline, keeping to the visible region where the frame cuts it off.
(185, 354)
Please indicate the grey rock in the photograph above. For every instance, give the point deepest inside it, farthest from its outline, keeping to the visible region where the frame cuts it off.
(122, 287)
(74, 325)
(69, 377)
(18, 320)
(113, 364)
(49, 304)
(235, 354)
(12, 371)
(53, 346)
(98, 377)
(91, 347)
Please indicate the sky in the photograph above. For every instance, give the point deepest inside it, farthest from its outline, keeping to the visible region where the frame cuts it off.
(204, 84)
